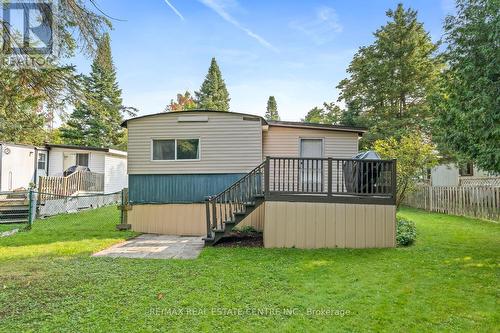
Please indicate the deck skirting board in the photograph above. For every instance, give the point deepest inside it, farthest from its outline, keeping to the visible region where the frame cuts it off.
(308, 225)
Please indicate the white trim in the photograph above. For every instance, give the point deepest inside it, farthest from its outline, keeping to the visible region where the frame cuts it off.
(175, 150)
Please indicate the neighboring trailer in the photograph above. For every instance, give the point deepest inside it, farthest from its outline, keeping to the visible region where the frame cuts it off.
(20, 165)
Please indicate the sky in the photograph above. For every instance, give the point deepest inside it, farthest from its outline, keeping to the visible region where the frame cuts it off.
(295, 50)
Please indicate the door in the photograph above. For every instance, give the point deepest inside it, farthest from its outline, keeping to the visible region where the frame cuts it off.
(311, 171)
(42, 164)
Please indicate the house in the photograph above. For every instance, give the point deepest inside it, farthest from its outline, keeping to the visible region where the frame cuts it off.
(297, 182)
(451, 174)
(22, 165)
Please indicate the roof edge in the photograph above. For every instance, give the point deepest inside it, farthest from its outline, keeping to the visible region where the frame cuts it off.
(106, 150)
(292, 124)
(124, 123)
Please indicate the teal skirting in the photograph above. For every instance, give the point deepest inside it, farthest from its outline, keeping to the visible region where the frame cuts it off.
(177, 188)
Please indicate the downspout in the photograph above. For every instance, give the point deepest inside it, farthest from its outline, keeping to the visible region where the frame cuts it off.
(35, 166)
(47, 165)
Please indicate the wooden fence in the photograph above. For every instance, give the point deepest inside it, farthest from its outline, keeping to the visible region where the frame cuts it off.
(474, 201)
(78, 181)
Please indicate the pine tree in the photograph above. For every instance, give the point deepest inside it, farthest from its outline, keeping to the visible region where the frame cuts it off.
(96, 119)
(213, 93)
(272, 109)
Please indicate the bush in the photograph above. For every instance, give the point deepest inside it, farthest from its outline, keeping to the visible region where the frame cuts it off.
(406, 232)
(248, 229)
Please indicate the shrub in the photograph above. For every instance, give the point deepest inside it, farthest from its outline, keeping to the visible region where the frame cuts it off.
(248, 229)
(406, 232)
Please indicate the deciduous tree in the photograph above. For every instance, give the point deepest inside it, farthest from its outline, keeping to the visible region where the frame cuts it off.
(183, 102)
(414, 156)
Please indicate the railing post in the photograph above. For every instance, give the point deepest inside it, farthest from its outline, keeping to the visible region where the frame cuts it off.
(329, 177)
(207, 210)
(266, 176)
(30, 208)
(394, 181)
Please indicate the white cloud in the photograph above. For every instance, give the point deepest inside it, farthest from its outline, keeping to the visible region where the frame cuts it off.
(322, 28)
(174, 9)
(219, 7)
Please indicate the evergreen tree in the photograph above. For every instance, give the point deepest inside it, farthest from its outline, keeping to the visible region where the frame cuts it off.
(390, 81)
(468, 124)
(272, 109)
(96, 119)
(213, 93)
(31, 90)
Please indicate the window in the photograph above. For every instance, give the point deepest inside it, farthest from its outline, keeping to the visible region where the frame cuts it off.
(163, 150)
(176, 149)
(42, 161)
(311, 148)
(82, 160)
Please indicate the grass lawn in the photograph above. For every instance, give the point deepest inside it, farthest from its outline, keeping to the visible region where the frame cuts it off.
(11, 226)
(447, 281)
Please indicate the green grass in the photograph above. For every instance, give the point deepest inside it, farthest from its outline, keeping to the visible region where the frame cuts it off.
(447, 281)
(11, 226)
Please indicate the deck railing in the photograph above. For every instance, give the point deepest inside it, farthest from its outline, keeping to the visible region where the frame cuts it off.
(79, 181)
(222, 207)
(305, 179)
(331, 179)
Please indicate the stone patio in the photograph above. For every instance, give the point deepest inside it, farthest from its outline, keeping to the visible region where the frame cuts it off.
(153, 246)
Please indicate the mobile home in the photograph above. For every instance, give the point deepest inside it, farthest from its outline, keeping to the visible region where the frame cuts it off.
(204, 172)
(22, 165)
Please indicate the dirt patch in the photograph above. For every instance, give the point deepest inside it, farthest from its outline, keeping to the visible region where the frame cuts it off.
(242, 239)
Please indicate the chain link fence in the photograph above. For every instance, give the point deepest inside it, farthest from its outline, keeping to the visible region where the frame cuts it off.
(89, 211)
(26, 210)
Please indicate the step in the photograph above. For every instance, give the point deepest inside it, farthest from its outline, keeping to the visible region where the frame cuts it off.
(240, 213)
(259, 196)
(228, 226)
(12, 221)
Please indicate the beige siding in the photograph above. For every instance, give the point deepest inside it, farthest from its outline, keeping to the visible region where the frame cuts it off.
(319, 225)
(228, 143)
(180, 219)
(284, 141)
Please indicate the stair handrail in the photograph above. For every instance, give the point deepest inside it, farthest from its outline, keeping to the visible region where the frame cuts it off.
(222, 206)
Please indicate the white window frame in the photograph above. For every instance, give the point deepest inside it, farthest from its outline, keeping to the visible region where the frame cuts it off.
(44, 153)
(175, 150)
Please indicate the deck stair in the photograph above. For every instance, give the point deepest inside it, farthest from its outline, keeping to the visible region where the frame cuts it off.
(301, 179)
(230, 207)
(14, 208)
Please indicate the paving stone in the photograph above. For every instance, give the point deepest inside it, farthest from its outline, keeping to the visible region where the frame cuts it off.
(153, 246)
